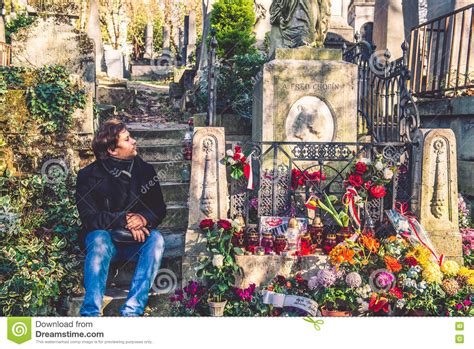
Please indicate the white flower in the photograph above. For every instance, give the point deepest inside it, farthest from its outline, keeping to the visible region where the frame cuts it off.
(400, 303)
(364, 307)
(387, 173)
(218, 260)
(230, 153)
(379, 165)
(365, 160)
(236, 224)
(231, 161)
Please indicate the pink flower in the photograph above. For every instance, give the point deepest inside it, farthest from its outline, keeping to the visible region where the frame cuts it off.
(458, 306)
(467, 302)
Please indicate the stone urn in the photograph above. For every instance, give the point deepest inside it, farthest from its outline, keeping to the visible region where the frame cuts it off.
(217, 308)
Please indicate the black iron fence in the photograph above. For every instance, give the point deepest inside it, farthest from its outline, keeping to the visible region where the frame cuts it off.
(441, 53)
(386, 109)
(287, 174)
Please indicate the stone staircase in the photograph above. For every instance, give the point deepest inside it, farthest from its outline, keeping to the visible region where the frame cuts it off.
(160, 145)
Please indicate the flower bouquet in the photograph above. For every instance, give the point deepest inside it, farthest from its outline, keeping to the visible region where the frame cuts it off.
(370, 178)
(238, 163)
(218, 268)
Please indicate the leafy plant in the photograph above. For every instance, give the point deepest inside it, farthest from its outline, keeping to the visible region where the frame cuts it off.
(218, 268)
(54, 98)
(39, 256)
(233, 21)
(13, 26)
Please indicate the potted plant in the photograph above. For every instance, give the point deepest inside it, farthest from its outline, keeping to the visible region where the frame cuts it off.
(335, 301)
(218, 268)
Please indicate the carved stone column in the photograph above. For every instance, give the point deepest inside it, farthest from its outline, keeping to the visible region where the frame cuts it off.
(435, 189)
(208, 195)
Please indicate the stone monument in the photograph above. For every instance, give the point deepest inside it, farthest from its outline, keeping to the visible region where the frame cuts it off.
(208, 196)
(306, 95)
(435, 189)
(54, 41)
(148, 41)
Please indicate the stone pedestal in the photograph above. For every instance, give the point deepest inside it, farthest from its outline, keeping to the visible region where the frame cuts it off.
(208, 196)
(260, 270)
(435, 191)
(306, 95)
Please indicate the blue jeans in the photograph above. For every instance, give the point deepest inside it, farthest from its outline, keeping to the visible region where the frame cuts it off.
(101, 251)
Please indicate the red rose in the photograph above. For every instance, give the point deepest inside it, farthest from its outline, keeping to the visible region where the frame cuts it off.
(236, 156)
(360, 167)
(206, 224)
(355, 180)
(243, 159)
(367, 185)
(411, 261)
(395, 291)
(237, 149)
(224, 224)
(378, 191)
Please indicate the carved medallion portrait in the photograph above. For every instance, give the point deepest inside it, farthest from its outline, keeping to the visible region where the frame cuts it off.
(310, 120)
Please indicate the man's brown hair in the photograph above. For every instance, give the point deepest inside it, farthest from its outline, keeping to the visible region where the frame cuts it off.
(107, 137)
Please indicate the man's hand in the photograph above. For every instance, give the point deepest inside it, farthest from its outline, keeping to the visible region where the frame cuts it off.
(135, 221)
(139, 234)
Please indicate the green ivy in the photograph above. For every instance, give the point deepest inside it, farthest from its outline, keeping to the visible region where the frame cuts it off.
(39, 254)
(21, 21)
(52, 98)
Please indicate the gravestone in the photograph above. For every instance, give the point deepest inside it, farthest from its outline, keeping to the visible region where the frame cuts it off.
(54, 41)
(339, 29)
(189, 36)
(388, 14)
(306, 95)
(148, 41)
(435, 189)
(93, 30)
(165, 58)
(208, 197)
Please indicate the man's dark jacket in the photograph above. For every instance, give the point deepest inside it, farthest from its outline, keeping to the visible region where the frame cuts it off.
(102, 204)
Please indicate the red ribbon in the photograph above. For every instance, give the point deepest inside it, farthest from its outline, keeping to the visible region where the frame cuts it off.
(348, 199)
(402, 208)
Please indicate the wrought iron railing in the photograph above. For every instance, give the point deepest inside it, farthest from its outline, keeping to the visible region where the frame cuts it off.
(277, 164)
(386, 108)
(5, 54)
(441, 55)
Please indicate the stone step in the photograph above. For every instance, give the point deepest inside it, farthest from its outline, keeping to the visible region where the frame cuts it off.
(175, 191)
(169, 171)
(115, 297)
(176, 217)
(164, 152)
(158, 136)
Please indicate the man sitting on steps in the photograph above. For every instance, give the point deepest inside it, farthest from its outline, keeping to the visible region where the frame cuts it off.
(120, 204)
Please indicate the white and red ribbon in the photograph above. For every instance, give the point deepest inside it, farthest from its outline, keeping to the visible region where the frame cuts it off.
(349, 199)
(248, 172)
